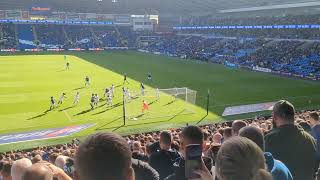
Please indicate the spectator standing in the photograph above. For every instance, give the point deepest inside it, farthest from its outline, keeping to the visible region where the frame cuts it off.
(189, 135)
(290, 143)
(143, 171)
(19, 167)
(104, 156)
(227, 133)
(6, 170)
(163, 160)
(241, 159)
(136, 152)
(315, 132)
(236, 126)
(278, 170)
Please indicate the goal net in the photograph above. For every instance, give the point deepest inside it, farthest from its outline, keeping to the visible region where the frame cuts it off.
(158, 103)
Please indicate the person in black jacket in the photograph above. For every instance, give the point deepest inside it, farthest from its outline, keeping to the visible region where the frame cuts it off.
(136, 152)
(189, 135)
(163, 160)
(143, 171)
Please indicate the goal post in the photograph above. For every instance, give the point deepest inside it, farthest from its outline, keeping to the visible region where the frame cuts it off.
(158, 103)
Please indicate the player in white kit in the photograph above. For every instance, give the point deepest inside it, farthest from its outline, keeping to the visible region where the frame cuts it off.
(76, 98)
(62, 98)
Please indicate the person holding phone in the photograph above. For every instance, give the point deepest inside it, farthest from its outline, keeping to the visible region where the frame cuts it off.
(191, 149)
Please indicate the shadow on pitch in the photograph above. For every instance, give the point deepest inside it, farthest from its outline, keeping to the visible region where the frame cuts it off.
(115, 128)
(40, 115)
(109, 108)
(153, 102)
(70, 107)
(103, 126)
(82, 112)
(79, 88)
(171, 102)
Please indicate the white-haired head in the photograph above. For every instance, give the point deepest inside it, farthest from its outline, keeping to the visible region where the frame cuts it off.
(61, 161)
(19, 167)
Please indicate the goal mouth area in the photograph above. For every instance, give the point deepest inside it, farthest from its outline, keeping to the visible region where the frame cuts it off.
(161, 104)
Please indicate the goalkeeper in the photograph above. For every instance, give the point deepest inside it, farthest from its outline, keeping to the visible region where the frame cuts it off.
(145, 106)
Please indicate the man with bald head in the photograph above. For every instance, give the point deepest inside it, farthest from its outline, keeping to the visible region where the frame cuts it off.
(236, 126)
(44, 171)
(38, 171)
(19, 167)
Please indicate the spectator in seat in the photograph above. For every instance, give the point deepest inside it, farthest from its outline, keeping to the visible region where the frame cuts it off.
(104, 156)
(278, 170)
(240, 159)
(19, 167)
(189, 135)
(163, 160)
(143, 171)
(236, 126)
(6, 170)
(290, 144)
(136, 152)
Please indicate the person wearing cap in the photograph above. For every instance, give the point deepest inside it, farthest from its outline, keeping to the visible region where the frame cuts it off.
(290, 144)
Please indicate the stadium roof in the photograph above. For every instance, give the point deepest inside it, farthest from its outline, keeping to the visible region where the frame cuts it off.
(176, 7)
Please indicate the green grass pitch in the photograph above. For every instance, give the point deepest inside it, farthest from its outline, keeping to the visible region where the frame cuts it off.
(27, 81)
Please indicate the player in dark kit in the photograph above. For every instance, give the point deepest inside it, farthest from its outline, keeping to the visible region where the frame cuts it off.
(142, 89)
(87, 81)
(92, 101)
(52, 103)
(125, 79)
(149, 76)
(67, 66)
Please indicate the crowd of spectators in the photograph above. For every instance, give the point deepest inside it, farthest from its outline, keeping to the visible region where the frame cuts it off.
(298, 53)
(284, 146)
(51, 35)
(256, 21)
(260, 20)
(286, 56)
(7, 36)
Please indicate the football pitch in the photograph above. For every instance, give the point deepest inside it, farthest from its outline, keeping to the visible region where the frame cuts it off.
(27, 81)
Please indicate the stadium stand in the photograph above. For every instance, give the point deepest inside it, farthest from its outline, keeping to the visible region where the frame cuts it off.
(50, 36)
(291, 56)
(26, 36)
(8, 36)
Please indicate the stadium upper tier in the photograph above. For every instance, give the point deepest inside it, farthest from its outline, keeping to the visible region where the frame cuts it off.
(178, 7)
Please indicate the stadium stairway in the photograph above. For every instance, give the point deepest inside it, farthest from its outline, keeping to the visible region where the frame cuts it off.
(26, 38)
(1, 32)
(65, 34)
(34, 33)
(16, 34)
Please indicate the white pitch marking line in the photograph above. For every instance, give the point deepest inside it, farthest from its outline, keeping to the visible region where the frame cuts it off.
(66, 113)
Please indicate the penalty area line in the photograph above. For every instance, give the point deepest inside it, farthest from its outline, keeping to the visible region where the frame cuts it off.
(68, 116)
